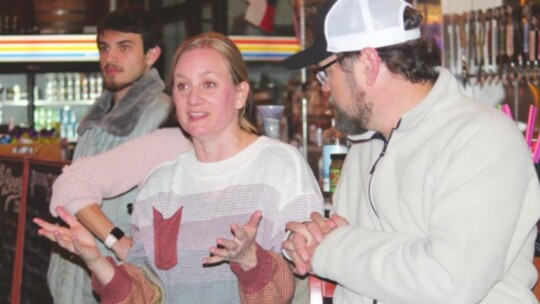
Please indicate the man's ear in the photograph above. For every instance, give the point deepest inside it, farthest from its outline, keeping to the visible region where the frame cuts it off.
(152, 55)
(372, 64)
(242, 92)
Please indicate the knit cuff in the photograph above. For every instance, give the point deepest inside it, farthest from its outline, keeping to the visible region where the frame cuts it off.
(117, 289)
(253, 280)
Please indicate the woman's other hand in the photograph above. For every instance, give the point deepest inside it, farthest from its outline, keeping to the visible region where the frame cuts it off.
(241, 249)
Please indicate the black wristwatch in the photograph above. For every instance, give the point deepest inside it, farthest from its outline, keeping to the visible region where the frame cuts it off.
(113, 237)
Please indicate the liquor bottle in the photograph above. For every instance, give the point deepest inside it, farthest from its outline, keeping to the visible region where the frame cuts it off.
(335, 170)
(335, 173)
(334, 142)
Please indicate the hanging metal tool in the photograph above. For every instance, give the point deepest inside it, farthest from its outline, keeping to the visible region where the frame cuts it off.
(480, 46)
(461, 21)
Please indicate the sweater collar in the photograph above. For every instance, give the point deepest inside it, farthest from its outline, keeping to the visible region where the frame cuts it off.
(229, 165)
(124, 116)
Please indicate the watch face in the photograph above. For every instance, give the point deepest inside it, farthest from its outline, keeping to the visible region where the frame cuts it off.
(117, 233)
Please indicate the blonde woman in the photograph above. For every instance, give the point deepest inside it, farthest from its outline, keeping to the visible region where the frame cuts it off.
(210, 223)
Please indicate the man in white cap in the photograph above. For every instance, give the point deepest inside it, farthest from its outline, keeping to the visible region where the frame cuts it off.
(438, 200)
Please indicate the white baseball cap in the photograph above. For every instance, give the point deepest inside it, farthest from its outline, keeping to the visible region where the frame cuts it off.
(352, 25)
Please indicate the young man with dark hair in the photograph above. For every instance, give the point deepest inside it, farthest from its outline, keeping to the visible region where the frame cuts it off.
(438, 200)
(132, 104)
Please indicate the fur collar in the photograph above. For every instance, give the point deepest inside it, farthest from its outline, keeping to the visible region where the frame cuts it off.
(123, 118)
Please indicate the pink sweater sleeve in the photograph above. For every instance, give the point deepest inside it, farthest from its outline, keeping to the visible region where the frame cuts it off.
(90, 179)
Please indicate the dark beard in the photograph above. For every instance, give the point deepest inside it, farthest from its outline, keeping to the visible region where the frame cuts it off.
(354, 121)
(115, 87)
(348, 123)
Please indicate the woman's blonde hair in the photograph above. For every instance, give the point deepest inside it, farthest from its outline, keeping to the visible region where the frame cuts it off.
(237, 67)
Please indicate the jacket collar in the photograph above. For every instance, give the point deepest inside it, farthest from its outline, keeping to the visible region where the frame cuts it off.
(445, 85)
(125, 115)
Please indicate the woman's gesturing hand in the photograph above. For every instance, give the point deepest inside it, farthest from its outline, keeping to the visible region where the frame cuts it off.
(241, 249)
(76, 239)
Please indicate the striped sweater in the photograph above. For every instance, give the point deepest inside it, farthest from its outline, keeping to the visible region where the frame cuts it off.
(205, 199)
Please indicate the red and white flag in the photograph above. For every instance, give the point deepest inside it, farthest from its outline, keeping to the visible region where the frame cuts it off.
(261, 13)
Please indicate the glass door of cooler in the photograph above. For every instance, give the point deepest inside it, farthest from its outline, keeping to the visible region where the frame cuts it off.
(48, 82)
(14, 100)
(61, 100)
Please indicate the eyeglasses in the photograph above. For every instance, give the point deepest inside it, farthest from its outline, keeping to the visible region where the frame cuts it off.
(320, 73)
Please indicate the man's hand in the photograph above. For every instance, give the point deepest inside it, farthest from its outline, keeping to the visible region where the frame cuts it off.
(122, 247)
(305, 238)
(337, 221)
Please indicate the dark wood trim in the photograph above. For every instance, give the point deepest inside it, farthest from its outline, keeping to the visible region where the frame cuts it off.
(19, 245)
(219, 16)
(195, 21)
(177, 12)
(191, 13)
(47, 67)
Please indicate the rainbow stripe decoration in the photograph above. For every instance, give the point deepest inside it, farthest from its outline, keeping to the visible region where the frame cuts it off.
(263, 48)
(40, 48)
(76, 48)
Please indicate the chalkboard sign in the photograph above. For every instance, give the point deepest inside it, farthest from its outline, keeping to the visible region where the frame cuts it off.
(11, 180)
(37, 249)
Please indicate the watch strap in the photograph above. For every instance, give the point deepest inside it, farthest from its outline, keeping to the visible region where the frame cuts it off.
(113, 237)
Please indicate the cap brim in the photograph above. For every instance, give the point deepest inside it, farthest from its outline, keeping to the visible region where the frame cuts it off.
(317, 51)
(307, 57)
